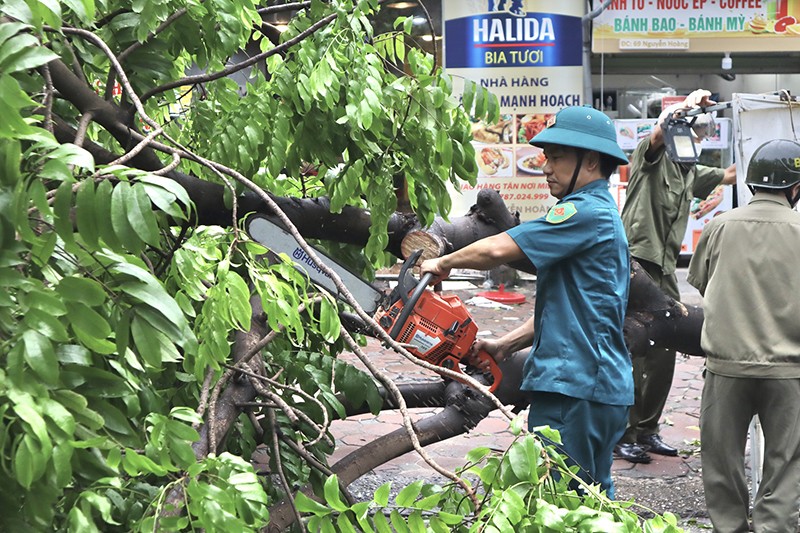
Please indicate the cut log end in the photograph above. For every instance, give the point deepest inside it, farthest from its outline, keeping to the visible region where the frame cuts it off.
(430, 244)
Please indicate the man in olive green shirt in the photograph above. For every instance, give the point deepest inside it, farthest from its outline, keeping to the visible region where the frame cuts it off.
(655, 216)
(746, 266)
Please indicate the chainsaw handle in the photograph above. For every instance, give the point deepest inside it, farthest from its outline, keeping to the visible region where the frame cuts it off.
(403, 276)
(409, 302)
(494, 370)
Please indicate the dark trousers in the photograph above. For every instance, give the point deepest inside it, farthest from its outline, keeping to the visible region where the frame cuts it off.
(589, 431)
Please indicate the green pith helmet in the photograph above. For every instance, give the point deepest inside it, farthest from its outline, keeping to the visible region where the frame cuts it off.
(775, 165)
(582, 127)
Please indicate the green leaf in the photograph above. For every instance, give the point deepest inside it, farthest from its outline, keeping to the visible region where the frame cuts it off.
(113, 418)
(148, 343)
(166, 194)
(103, 505)
(450, 518)
(153, 295)
(408, 24)
(382, 495)
(46, 324)
(61, 211)
(141, 217)
(62, 464)
(22, 53)
(74, 354)
(445, 148)
(406, 497)
(25, 408)
(416, 524)
(63, 421)
(77, 405)
(332, 494)
(429, 502)
(84, 290)
(468, 98)
(136, 464)
(84, 214)
(27, 462)
(40, 356)
(493, 108)
(10, 157)
(480, 103)
(102, 206)
(344, 524)
(9, 29)
(512, 506)
(382, 524)
(518, 424)
(50, 12)
(500, 521)
(239, 299)
(400, 46)
(87, 320)
(398, 523)
(46, 301)
(520, 461)
(305, 504)
(13, 100)
(361, 512)
(121, 200)
(71, 154)
(476, 454)
(79, 522)
(83, 8)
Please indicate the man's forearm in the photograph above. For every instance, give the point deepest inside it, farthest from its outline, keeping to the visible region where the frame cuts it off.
(484, 254)
(521, 337)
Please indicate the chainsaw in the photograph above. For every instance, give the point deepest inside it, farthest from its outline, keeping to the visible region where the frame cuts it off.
(433, 327)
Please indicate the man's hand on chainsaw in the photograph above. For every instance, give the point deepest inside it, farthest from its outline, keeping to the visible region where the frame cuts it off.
(434, 266)
(497, 350)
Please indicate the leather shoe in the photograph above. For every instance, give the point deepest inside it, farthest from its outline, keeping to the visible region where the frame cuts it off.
(654, 444)
(632, 453)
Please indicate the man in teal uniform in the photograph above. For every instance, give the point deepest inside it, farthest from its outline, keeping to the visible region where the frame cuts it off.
(746, 266)
(655, 216)
(578, 372)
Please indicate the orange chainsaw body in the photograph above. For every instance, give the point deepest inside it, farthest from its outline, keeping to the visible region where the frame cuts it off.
(439, 330)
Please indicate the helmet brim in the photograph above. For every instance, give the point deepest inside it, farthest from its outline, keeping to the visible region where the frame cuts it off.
(578, 139)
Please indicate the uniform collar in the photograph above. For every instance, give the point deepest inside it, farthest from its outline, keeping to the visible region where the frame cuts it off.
(770, 198)
(596, 184)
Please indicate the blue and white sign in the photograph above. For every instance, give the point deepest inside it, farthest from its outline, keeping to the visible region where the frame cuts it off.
(529, 54)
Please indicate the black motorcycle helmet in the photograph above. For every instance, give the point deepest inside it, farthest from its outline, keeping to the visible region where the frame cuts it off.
(775, 166)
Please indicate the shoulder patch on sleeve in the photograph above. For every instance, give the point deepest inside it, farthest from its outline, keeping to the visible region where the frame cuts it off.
(560, 212)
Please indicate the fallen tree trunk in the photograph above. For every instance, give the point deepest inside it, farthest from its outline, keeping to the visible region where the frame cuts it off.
(655, 319)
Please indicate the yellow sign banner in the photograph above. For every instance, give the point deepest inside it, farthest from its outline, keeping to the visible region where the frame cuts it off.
(697, 26)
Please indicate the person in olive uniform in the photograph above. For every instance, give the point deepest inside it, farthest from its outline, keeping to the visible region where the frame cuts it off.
(578, 372)
(746, 264)
(655, 216)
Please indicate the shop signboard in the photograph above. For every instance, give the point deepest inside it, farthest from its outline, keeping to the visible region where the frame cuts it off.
(697, 26)
(528, 53)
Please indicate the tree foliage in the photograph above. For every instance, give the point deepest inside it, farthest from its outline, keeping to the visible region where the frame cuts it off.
(122, 313)
(119, 313)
